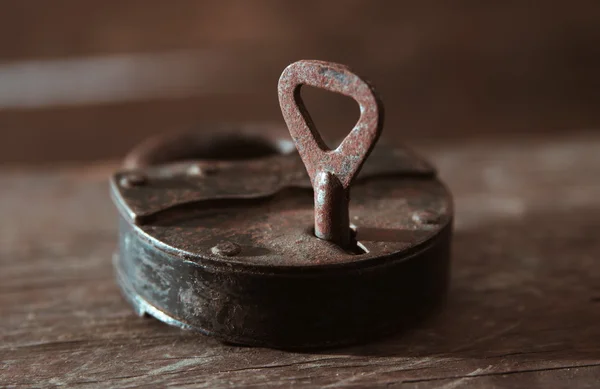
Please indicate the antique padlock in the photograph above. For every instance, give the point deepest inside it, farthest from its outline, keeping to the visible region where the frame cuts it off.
(241, 236)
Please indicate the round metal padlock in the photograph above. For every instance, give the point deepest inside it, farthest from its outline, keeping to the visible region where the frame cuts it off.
(242, 236)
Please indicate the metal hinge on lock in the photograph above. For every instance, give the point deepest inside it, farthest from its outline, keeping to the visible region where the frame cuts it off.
(241, 236)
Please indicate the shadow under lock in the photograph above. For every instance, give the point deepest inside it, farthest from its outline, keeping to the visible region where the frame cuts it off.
(243, 237)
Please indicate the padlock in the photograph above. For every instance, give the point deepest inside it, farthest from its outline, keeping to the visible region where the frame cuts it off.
(244, 237)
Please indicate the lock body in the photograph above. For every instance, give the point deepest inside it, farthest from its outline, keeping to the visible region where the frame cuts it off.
(227, 246)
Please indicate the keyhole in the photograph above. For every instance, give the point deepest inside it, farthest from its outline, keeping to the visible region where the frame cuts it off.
(333, 114)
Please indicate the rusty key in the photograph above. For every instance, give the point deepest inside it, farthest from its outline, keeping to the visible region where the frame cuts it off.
(331, 171)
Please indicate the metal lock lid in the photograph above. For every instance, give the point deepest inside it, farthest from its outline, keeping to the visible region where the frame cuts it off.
(268, 249)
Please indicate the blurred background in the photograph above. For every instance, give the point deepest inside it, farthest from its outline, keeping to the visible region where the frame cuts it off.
(87, 80)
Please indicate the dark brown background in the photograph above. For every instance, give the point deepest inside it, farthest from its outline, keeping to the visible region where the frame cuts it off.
(445, 69)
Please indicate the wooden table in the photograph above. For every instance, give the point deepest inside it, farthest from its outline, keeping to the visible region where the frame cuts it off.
(523, 310)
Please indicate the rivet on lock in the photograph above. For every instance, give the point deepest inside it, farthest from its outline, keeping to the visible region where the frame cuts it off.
(244, 237)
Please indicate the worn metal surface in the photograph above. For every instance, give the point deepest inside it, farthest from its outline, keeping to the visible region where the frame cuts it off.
(224, 243)
(179, 182)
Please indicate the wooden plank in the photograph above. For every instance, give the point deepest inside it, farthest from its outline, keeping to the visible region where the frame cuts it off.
(523, 308)
(567, 378)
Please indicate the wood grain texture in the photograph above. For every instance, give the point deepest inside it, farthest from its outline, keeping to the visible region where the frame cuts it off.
(523, 309)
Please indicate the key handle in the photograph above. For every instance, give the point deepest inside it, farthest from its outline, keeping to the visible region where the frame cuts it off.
(347, 159)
